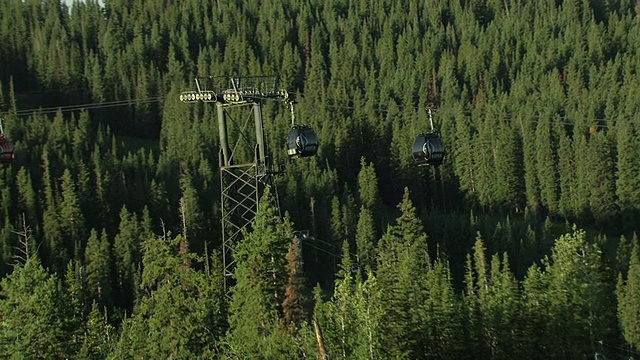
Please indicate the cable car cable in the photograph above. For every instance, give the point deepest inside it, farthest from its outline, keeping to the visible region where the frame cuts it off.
(619, 122)
(323, 250)
(327, 251)
(87, 106)
(469, 113)
(508, 116)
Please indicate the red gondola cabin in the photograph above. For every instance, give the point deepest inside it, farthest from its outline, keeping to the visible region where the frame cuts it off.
(6, 150)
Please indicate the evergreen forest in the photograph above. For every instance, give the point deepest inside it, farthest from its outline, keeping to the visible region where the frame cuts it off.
(522, 245)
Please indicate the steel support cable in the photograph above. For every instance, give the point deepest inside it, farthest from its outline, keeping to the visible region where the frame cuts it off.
(308, 242)
(347, 105)
(506, 116)
(87, 106)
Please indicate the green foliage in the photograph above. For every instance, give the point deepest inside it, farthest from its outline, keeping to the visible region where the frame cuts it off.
(366, 240)
(256, 324)
(98, 261)
(179, 313)
(579, 298)
(341, 321)
(296, 301)
(126, 253)
(536, 102)
(402, 253)
(34, 315)
(99, 338)
(27, 200)
(628, 172)
(444, 315)
(351, 320)
(629, 299)
(369, 194)
(601, 180)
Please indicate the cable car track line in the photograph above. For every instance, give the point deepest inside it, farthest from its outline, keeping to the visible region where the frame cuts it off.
(81, 107)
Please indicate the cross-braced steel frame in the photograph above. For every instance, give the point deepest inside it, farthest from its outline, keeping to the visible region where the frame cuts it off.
(246, 168)
(242, 183)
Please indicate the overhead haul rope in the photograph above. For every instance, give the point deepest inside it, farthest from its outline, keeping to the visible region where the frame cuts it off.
(504, 116)
(88, 106)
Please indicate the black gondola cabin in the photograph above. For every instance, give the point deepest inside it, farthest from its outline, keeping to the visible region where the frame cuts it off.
(6, 150)
(302, 142)
(428, 149)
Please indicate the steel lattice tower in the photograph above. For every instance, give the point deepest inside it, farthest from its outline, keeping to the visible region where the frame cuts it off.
(245, 165)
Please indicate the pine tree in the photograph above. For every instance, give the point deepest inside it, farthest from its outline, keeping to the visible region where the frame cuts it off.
(584, 167)
(316, 76)
(349, 211)
(476, 286)
(501, 311)
(546, 165)
(567, 204)
(99, 338)
(27, 200)
(536, 314)
(292, 68)
(72, 219)
(623, 254)
(104, 195)
(255, 311)
(177, 315)
(51, 227)
(370, 196)
(296, 302)
(628, 292)
(81, 137)
(366, 240)
(34, 323)
(509, 172)
(341, 329)
(126, 254)
(444, 312)
(463, 155)
(337, 230)
(98, 268)
(484, 163)
(531, 182)
(601, 179)
(368, 192)
(579, 299)
(337, 225)
(192, 218)
(402, 253)
(628, 173)
(75, 299)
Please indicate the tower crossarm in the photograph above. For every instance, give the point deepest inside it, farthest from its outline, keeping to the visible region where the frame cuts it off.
(235, 89)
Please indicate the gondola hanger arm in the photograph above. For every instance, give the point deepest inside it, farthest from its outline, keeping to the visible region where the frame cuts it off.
(293, 115)
(430, 118)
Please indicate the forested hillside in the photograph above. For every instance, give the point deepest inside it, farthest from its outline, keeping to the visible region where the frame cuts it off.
(522, 244)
